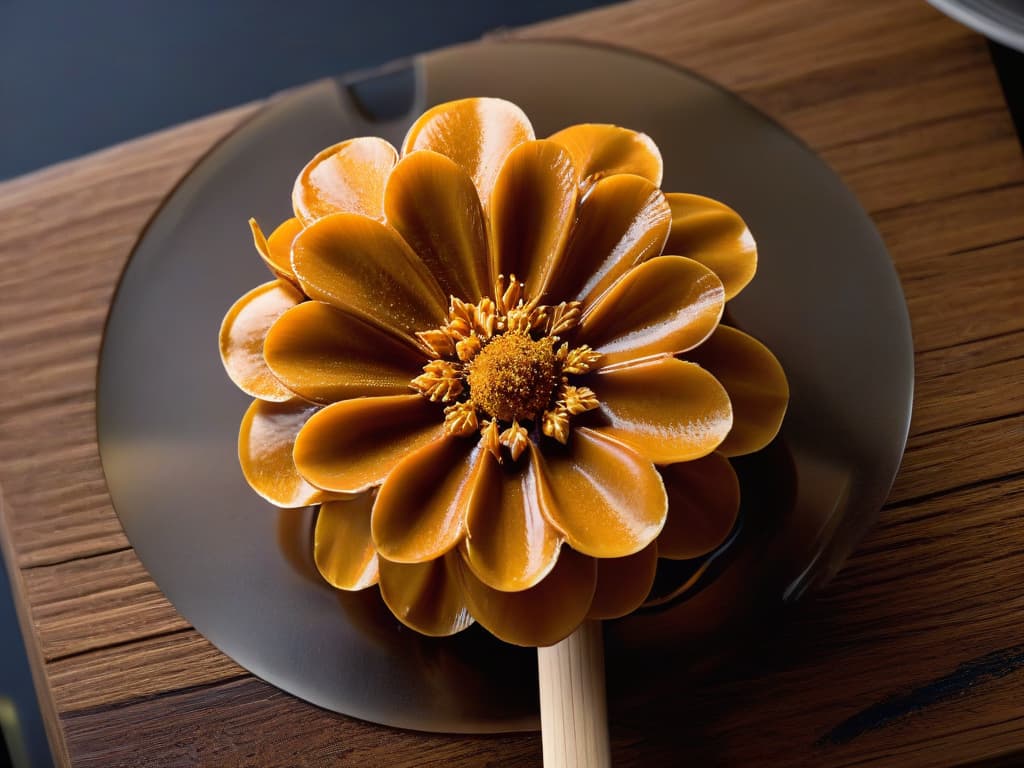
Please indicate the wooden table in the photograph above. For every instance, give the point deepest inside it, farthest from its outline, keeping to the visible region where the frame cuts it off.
(914, 656)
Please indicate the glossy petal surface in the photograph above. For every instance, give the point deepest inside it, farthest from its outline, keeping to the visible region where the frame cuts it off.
(361, 266)
(326, 355)
(756, 384)
(623, 583)
(353, 445)
(276, 250)
(667, 409)
(421, 508)
(510, 546)
(532, 211)
(265, 443)
(713, 234)
(242, 334)
(425, 596)
(622, 221)
(606, 499)
(703, 502)
(432, 203)
(342, 545)
(666, 305)
(542, 615)
(348, 177)
(598, 148)
(476, 133)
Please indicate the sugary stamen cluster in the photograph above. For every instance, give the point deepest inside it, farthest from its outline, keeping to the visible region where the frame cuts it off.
(499, 364)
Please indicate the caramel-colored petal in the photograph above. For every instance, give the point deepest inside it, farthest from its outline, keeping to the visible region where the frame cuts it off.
(353, 445)
(242, 335)
(608, 149)
(420, 512)
(265, 442)
(347, 177)
(707, 231)
(606, 499)
(532, 211)
(279, 249)
(667, 409)
(364, 267)
(326, 355)
(703, 502)
(425, 596)
(663, 306)
(622, 221)
(541, 615)
(510, 545)
(756, 384)
(432, 203)
(476, 133)
(342, 545)
(623, 583)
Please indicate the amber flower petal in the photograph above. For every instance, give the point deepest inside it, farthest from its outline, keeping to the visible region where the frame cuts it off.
(241, 339)
(510, 545)
(348, 177)
(606, 499)
(541, 615)
(703, 502)
(276, 250)
(713, 234)
(667, 409)
(325, 355)
(666, 305)
(364, 267)
(622, 221)
(342, 545)
(432, 203)
(623, 583)
(425, 596)
(477, 134)
(265, 443)
(532, 212)
(756, 384)
(421, 508)
(607, 149)
(351, 446)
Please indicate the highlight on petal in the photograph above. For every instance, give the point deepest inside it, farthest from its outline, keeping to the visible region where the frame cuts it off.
(532, 211)
(712, 233)
(756, 384)
(703, 503)
(476, 133)
(605, 499)
(432, 203)
(265, 443)
(242, 334)
(541, 615)
(510, 546)
(426, 596)
(347, 177)
(325, 355)
(622, 221)
(342, 545)
(666, 305)
(421, 508)
(364, 267)
(623, 583)
(666, 409)
(604, 150)
(353, 445)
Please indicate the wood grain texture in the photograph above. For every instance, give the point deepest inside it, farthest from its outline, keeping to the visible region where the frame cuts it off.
(911, 657)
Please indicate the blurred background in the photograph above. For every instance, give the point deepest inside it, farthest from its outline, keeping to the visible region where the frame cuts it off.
(79, 76)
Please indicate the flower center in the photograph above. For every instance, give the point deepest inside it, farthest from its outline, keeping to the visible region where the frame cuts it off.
(513, 376)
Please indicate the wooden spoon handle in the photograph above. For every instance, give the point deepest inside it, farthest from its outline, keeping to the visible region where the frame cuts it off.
(573, 713)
